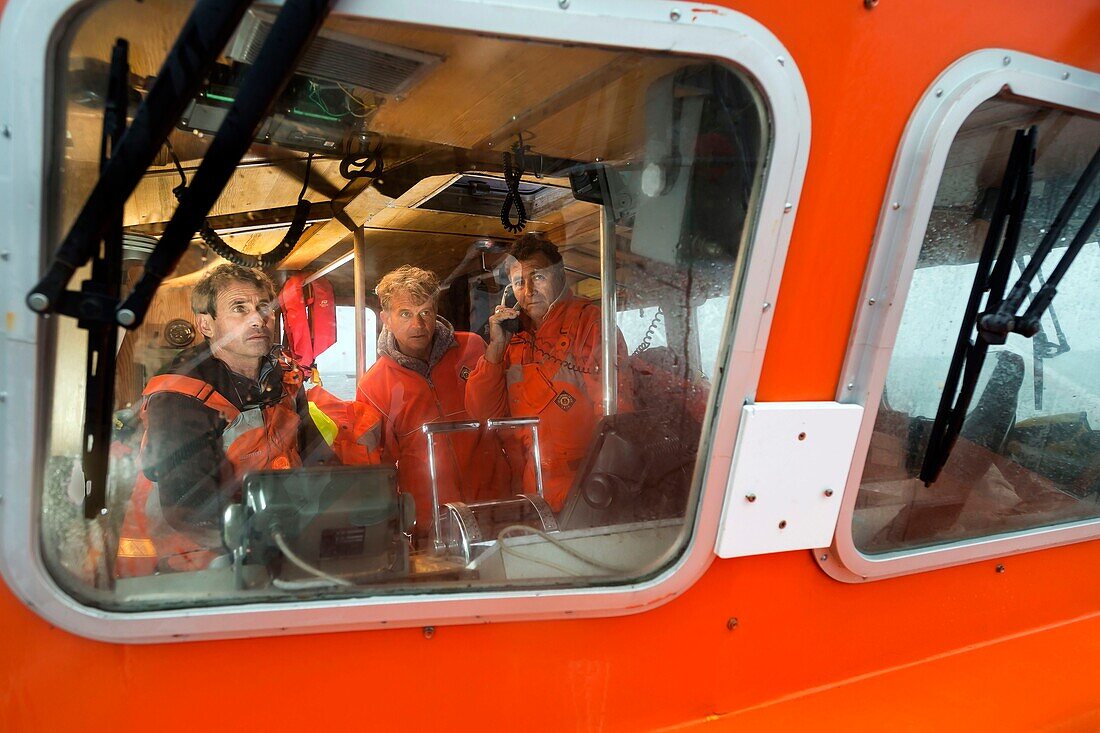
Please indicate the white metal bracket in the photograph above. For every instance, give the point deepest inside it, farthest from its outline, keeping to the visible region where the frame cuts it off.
(789, 470)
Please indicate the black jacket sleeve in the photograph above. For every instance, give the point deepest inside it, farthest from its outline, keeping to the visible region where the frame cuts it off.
(184, 456)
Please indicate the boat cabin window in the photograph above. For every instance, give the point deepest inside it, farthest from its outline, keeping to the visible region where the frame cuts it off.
(487, 359)
(336, 364)
(985, 427)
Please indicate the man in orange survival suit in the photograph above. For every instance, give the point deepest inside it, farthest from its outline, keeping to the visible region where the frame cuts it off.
(420, 377)
(550, 369)
(222, 408)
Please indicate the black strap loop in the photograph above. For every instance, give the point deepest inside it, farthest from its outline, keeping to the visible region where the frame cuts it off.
(512, 176)
(363, 160)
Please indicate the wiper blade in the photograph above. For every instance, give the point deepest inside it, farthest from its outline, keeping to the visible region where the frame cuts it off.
(104, 283)
(994, 267)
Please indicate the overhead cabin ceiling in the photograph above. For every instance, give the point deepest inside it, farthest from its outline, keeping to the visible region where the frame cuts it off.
(572, 103)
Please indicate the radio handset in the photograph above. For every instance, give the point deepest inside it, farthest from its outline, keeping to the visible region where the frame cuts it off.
(508, 300)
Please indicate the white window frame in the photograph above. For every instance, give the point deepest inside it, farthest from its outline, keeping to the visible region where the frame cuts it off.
(915, 179)
(26, 75)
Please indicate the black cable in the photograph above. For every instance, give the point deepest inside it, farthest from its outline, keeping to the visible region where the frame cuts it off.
(223, 249)
(969, 355)
(650, 332)
(305, 178)
(512, 176)
(567, 364)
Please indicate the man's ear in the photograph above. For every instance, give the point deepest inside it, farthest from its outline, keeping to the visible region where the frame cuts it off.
(559, 276)
(385, 316)
(206, 325)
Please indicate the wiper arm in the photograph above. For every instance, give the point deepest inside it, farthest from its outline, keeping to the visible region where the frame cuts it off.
(1042, 348)
(996, 325)
(295, 26)
(205, 33)
(994, 267)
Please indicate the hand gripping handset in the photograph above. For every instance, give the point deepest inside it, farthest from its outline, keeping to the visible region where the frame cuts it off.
(508, 300)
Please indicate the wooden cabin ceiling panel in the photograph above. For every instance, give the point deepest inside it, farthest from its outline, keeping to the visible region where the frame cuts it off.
(362, 208)
(609, 122)
(569, 97)
(389, 249)
(430, 224)
(583, 232)
(150, 26)
(251, 188)
(481, 83)
(571, 212)
(480, 89)
(575, 102)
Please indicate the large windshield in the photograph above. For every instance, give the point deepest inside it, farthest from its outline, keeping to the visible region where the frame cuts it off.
(486, 361)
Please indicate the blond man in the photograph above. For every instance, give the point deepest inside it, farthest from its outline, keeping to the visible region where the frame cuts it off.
(420, 377)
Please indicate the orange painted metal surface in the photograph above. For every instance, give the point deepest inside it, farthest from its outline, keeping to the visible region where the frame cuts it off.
(966, 648)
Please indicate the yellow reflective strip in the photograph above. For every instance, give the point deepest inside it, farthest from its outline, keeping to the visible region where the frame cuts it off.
(136, 547)
(323, 422)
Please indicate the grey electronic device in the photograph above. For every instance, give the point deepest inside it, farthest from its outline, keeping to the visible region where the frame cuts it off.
(340, 525)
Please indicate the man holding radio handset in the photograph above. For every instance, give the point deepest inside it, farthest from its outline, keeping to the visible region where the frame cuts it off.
(543, 360)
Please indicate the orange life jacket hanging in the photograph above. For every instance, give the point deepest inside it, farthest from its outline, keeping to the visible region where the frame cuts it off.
(309, 317)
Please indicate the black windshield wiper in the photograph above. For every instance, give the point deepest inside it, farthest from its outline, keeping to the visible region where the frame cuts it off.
(103, 286)
(96, 306)
(1000, 317)
(994, 266)
(205, 33)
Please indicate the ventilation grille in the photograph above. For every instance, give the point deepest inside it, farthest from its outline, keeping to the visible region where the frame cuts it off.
(339, 57)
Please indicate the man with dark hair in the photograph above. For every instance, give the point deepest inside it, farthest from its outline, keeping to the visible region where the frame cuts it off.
(549, 369)
(224, 407)
(420, 377)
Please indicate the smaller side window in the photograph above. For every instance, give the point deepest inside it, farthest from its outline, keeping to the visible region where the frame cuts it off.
(1027, 453)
